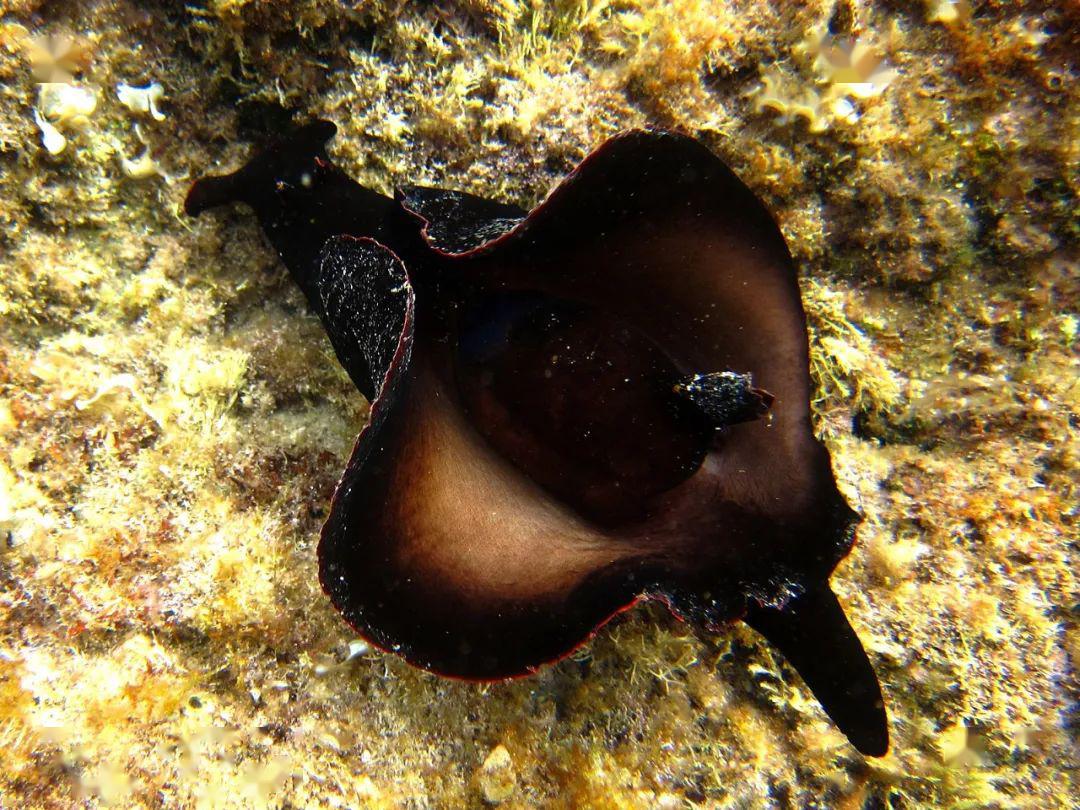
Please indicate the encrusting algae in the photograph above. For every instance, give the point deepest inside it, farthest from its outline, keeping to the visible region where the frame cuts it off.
(172, 424)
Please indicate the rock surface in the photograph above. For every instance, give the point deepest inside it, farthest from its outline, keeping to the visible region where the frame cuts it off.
(172, 422)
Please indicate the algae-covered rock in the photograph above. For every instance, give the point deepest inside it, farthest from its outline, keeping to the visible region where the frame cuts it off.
(173, 421)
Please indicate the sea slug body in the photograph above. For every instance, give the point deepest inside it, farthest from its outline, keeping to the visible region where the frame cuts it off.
(601, 400)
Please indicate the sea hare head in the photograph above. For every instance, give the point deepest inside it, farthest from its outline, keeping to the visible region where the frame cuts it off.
(285, 161)
(603, 400)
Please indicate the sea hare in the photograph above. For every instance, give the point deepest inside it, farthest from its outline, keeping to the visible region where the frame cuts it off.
(601, 400)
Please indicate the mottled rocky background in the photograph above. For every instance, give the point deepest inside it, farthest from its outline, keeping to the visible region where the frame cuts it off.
(172, 421)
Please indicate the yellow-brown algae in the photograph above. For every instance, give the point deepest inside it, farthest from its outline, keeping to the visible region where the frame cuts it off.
(939, 239)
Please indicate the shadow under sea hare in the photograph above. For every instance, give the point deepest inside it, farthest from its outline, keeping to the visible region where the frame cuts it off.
(601, 400)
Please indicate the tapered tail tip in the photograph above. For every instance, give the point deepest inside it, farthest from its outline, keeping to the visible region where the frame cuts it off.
(816, 638)
(872, 742)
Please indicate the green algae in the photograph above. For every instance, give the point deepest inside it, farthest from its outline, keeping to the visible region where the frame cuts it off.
(172, 422)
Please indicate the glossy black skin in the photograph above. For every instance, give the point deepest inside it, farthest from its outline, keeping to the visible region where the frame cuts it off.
(302, 200)
(482, 337)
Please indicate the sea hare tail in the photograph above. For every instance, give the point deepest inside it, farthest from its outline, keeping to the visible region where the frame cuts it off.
(814, 635)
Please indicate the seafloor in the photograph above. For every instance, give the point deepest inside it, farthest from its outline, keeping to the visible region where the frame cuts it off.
(172, 421)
